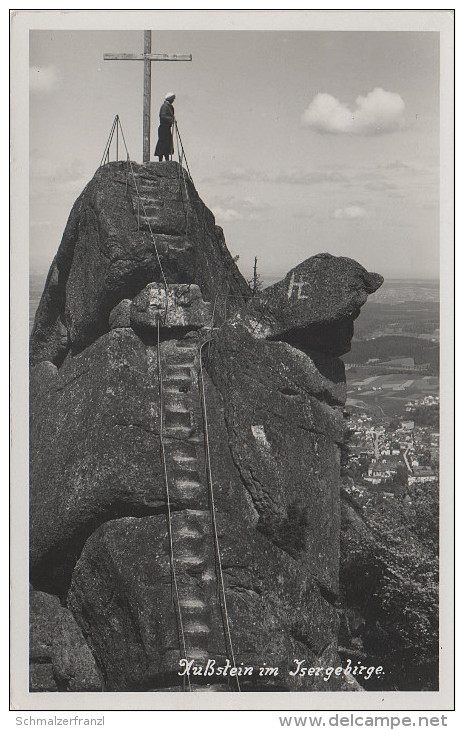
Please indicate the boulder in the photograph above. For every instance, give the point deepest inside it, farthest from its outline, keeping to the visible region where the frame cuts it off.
(49, 339)
(120, 315)
(60, 657)
(121, 595)
(94, 450)
(284, 427)
(389, 585)
(127, 224)
(315, 305)
(177, 306)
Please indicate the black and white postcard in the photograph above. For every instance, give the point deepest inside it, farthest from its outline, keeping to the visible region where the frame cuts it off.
(233, 464)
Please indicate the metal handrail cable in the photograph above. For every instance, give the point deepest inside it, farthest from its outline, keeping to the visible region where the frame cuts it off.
(145, 213)
(174, 584)
(225, 612)
(109, 140)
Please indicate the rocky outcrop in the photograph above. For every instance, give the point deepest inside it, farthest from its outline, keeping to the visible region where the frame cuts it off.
(94, 450)
(303, 309)
(179, 308)
(283, 434)
(276, 610)
(60, 659)
(185, 495)
(127, 223)
(389, 585)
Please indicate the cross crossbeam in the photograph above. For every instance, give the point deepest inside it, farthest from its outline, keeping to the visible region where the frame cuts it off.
(147, 57)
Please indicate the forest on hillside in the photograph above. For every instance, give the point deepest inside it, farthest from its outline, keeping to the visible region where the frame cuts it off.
(394, 346)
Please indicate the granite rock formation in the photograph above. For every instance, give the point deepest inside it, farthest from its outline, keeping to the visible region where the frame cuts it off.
(389, 585)
(60, 657)
(144, 311)
(315, 305)
(107, 254)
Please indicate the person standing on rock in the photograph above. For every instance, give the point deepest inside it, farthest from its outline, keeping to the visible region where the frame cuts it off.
(164, 146)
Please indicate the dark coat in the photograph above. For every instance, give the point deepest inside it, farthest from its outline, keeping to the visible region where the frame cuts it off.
(165, 144)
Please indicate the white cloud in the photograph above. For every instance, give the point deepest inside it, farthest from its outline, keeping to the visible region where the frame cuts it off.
(350, 212)
(291, 176)
(304, 213)
(227, 214)
(67, 173)
(240, 173)
(252, 205)
(232, 208)
(380, 185)
(379, 112)
(396, 165)
(307, 177)
(42, 79)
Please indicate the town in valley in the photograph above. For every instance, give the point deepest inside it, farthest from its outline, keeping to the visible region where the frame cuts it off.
(392, 407)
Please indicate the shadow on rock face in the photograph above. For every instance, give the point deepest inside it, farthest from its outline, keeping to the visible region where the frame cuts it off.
(128, 440)
(314, 306)
(331, 339)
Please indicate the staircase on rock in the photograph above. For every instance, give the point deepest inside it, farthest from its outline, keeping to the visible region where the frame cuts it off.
(162, 207)
(192, 536)
(166, 214)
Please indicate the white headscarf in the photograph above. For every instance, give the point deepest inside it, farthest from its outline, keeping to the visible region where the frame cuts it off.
(170, 96)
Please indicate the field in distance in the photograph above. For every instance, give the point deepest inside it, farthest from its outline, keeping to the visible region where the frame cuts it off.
(387, 395)
(394, 356)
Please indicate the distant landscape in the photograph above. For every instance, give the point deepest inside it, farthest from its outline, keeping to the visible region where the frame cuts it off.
(390, 477)
(394, 357)
(36, 287)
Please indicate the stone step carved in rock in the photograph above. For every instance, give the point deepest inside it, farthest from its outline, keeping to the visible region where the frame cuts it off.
(186, 533)
(163, 224)
(185, 462)
(188, 489)
(179, 368)
(195, 439)
(152, 211)
(196, 628)
(213, 687)
(188, 493)
(193, 545)
(192, 561)
(177, 419)
(177, 385)
(188, 345)
(145, 206)
(192, 604)
(178, 432)
(144, 198)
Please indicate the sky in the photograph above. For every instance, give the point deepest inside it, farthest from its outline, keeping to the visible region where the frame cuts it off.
(299, 142)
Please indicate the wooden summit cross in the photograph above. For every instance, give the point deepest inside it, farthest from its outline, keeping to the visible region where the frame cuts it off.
(147, 57)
